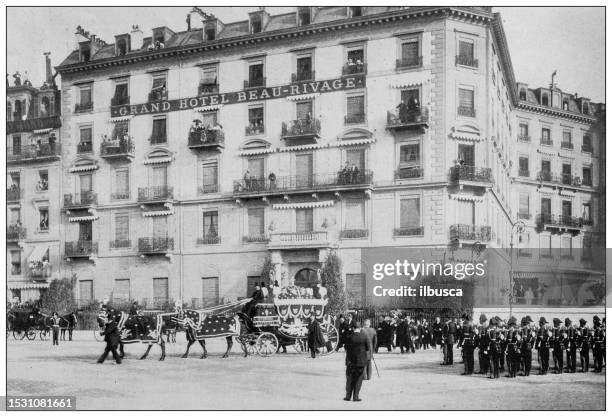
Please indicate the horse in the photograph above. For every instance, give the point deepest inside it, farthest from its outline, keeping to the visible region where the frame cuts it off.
(136, 329)
(67, 322)
(200, 326)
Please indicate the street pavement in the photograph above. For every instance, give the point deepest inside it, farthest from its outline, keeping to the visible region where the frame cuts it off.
(291, 381)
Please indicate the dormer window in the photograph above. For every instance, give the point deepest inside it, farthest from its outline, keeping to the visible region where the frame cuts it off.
(210, 33)
(566, 104)
(355, 11)
(303, 16)
(121, 46)
(255, 24)
(585, 108)
(158, 36)
(85, 53)
(523, 94)
(545, 99)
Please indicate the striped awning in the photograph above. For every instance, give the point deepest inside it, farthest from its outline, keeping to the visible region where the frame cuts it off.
(466, 136)
(163, 160)
(546, 153)
(120, 118)
(303, 97)
(467, 197)
(38, 253)
(525, 275)
(25, 285)
(405, 84)
(255, 151)
(212, 107)
(156, 213)
(355, 142)
(84, 168)
(88, 218)
(307, 204)
(42, 131)
(302, 147)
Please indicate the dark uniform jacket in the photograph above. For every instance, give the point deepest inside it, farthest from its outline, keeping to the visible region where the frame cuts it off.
(111, 333)
(357, 348)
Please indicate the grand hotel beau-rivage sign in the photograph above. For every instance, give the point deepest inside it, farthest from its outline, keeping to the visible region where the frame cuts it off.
(250, 95)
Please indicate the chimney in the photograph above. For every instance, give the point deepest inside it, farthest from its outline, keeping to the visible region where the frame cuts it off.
(79, 36)
(136, 38)
(48, 72)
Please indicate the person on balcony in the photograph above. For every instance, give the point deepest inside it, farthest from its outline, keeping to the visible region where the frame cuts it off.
(345, 173)
(272, 179)
(402, 111)
(354, 174)
(247, 179)
(44, 222)
(359, 65)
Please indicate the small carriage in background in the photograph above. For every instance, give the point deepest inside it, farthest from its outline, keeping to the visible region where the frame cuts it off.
(27, 324)
(284, 322)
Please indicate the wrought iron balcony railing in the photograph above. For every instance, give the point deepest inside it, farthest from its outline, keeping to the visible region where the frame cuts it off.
(523, 173)
(155, 245)
(157, 95)
(471, 173)
(82, 199)
(117, 148)
(524, 215)
(18, 125)
(409, 62)
(206, 138)
(254, 83)
(297, 182)
(83, 107)
(354, 233)
(39, 272)
(155, 193)
(80, 248)
(405, 173)
(352, 68)
(209, 240)
(303, 76)
(547, 219)
(301, 128)
(207, 88)
(524, 138)
(466, 60)
(32, 152)
(120, 244)
(547, 142)
(84, 147)
(13, 194)
(120, 101)
(256, 238)
(567, 145)
(15, 232)
(466, 111)
(408, 231)
(405, 118)
(208, 188)
(587, 148)
(470, 232)
(120, 195)
(254, 129)
(352, 119)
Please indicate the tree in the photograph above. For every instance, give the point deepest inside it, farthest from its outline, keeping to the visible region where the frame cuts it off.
(331, 277)
(59, 297)
(267, 269)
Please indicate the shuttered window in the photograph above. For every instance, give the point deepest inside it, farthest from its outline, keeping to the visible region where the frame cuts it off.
(120, 129)
(356, 157)
(256, 221)
(159, 81)
(304, 220)
(209, 76)
(121, 291)
(210, 291)
(210, 224)
(524, 203)
(159, 130)
(410, 155)
(466, 98)
(121, 91)
(255, 75)
(86, 290)
(355, 107)
(256, 167)
(355, 214)
(160, 289)
(304, 170)
(410, 51)
(122, 183)
(85, 134)
(15, 262)
(160, 227)
(545, 206)
(85, 95)
(410, 213)
(466, 212)
(303, 110)
(209, 119)
(466, 50)
(210, 176)
(122, 227)
(160, 176)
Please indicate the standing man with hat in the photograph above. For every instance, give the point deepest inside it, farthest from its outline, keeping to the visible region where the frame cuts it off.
(357, 348)
(112, 339)
(370, 333)
(572, 345)
(598, 345)
(557, 344)
(584, 344)
(469, 342)
(543, 346)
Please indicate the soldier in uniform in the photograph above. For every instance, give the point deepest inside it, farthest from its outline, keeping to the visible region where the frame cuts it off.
(496, 352)
(584, 344)
(527, 345)
(112, 339)
(481, 332)
(484, 341)
(468, 342)
(572, 345)
(598, 343)
(557, 345)
(543, 346)
(513, 354)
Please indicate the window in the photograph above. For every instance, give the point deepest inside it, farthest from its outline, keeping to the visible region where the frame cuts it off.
(566, 247)
(210, 171)
(15, 262)
(523, 94)
(410, 161)
(546, 246)
(122, 47)
(566, 211)
(45, 107)
(466, 155)
(16, 144)
(356, 290)
(546, 136)
(159, 88)
(303, 16)
(255, 24)
(210, 225)
(304, 170)
(523, 166)
(466, 103)
(121, 96)
(565, 103)
(410, 53)
(121, 130)
(355, 61)
(586, 213)
(567, 139)
(304, 70)
(355, 215)
(524, 131)
(85, 140)
(545, 174)
(160, 290)
(85, 53)
(210, 33)
(160, 227)
(86, 291)
(566, 174)
(43, 214)
(255, 167)
(356, 157)
(544, 99)
(410, 216)
(160, 177)
(256, 75)
(304, 221)
(122, 184)
(585, 108)
(210, 291)
(15, 216)
(159, 131)
(303, 110)
(465, 54)
(587, 178)
(208, 82)
(524, 206)
(43, 180)
(122, 231)
(355, 109)
(256, 121)
(587, 143)
(355, 11)
(466, 213)
(121, 290)
(256, 222)
(85, 98)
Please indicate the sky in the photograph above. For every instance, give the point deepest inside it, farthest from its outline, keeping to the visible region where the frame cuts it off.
(541, 40)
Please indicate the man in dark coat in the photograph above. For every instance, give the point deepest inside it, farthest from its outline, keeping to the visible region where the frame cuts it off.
(598, 343)
(584, 344)
(557, 345)
(572, 346)
(111, 337)
(342, 332)
(436, 330)
(370, 333)
(402, 333)
(357, 348)
(316, 339)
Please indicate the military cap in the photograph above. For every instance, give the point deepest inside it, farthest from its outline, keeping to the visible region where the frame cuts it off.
(528, 319)
(596, 319)
(512, 321)
(483, 318)
(583, 322)
(568, 322)
(556, 321)
(543, 321)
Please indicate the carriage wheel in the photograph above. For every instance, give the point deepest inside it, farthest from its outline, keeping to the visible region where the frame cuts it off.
(300, 346)
(266, 344)
(18, 334)
(44, 334)
(31, 333)
(98, 336)
(330, 333)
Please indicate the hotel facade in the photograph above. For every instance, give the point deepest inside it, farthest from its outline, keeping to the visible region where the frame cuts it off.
(190, 157)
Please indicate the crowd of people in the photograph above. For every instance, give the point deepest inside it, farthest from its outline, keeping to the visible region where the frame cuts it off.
(205, 134)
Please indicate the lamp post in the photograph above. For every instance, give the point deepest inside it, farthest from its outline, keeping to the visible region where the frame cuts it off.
(518, 228)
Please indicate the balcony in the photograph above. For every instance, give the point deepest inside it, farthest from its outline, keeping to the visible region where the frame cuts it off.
(466, 111)
(155, 245)
(255, 83)
(470, 175)
(523, 173)
(546, 142)
(209, 240)
(158, 139)
(17, 125)
(524, 215)
(261, 238)
(15, 233)
(563, 179)
(466, 61)
(524, 138)
(208, 189)
(33, 153)
(587, 148)
(156, 194)
(13, 195)
(83, 200)
(122, 195)
(80, 249)
(121, 149)
(410, 62)
(39, 271)
(158, 95)
(254, 129)
(206, 140)
(120, 244)
(567, 145)
(207, 88)
(354, 119)
(301, 131)
(120, 101)
(470, 232)
(408, 231)
(85, 147)
(302, 76)
(354, 234)
(406, 118)
(559, 224)
(298, 240)
(83, 107)
(352, 68)
(293, 184)
(409, 173)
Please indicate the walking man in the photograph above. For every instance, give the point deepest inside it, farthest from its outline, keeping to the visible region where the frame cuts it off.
(55, 326)
(111, 337)
(357, 348)
(370, 333)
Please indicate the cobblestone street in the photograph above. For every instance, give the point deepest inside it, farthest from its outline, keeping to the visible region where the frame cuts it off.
(284, 381)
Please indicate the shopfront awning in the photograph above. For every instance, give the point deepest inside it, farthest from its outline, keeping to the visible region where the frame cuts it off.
(26, 285)
(303, 97)
(120, 118)
(42, 131)
(84, 168)
(88, 218)
(212, 107)
(308, 204)
(38, 253)
(162, 160)
(156, 213)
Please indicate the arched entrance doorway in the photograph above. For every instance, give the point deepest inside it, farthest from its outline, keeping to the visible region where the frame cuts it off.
(306, 277)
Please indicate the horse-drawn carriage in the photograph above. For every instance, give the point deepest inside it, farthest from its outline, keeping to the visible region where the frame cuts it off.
(28, 323)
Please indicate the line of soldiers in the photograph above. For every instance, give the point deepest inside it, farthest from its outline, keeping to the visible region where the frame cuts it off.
(509, 346)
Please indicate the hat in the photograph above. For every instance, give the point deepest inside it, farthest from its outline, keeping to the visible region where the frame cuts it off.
(512, 321)
(583, 322)
(524, 321)
(556, 321)
(483, 318)
(568, 322)
(543, 321)
(528, 319)
(596, 319)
